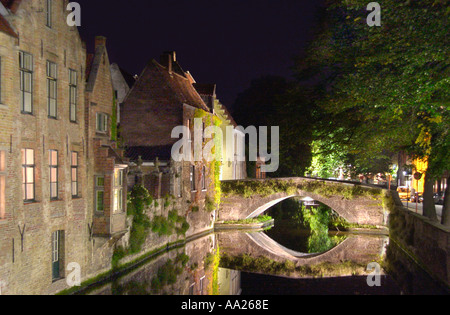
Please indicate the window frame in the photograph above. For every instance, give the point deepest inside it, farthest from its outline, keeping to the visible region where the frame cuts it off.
(52, 82)
(58, 254)
(203, 179)
(192, 178)
(74, 168)
(49, 13)
(73, 95)
(26, 71)
(54, 181)
(118, 200)
(98, 189)
(103, 123)
(26, 183)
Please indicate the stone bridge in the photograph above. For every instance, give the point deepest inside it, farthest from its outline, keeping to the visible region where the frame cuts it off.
(355, 202)
(348, 258)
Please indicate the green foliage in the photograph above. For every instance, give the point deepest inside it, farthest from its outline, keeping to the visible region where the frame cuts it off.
(260, 219)
(114, 119)
(209, 204)
(317, 220)
(265, 265)
(383, 89)
(173, 224)
(138, 199)
(168, 273)
(265, 188)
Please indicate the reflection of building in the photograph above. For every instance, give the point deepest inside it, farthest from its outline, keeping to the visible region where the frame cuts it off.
(229, 282)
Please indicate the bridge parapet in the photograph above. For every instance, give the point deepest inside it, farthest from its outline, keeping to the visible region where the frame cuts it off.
(357, 203)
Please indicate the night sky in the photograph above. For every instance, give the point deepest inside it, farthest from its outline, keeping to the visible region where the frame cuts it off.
(227, 42)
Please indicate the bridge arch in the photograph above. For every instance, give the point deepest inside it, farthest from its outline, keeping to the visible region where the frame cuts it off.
(355, 252)
(360, 204)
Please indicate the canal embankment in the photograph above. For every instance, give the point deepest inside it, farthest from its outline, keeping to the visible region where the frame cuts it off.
(426, 242)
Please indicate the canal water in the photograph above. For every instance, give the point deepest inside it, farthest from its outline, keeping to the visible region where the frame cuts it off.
(286, 259)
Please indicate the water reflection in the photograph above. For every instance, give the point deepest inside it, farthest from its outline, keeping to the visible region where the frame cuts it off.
(305, 226)
(282, 260)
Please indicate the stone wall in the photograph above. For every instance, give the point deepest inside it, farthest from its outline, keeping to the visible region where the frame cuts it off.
(354, 202)
(427, 242)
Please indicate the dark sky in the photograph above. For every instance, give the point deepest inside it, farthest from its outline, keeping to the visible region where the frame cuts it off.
(227, 42)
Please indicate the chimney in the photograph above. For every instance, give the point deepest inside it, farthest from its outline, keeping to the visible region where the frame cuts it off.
(167, 60)
(100, 41)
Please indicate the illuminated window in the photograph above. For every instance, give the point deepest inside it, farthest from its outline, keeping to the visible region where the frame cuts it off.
(26, 82)
(74, 174)
(118, 190)
(53, 163)
(2, 184)
(28, 168)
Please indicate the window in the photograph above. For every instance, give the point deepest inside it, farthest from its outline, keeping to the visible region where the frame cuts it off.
(49, 13)
(118, 190)
(204, 178)
(28, 174)
(74, 174)
(100, 193)
(2, 184)
(53, 163)
(192, 178)
(52, 89)
(73, 93)
(57, 255)
(101, 123)
(26, 82)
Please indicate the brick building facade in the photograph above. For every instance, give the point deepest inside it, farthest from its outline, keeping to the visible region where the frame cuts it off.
(49, 155)
(63, 177)
(163, 98)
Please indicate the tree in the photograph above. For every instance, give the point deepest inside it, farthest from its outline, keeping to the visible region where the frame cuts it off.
(386, 89)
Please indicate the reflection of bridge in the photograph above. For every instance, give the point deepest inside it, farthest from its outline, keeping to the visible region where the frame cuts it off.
(351, 256)
(357, 203)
